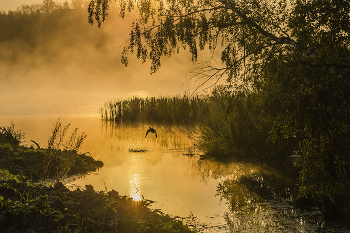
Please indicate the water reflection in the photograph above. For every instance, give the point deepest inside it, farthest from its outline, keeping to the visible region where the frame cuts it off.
(167, 169)
(135, 177)
(216, 197)
(259, 199)
(161, 169)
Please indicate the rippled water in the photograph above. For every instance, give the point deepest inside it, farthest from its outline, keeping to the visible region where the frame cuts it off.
(168, 171)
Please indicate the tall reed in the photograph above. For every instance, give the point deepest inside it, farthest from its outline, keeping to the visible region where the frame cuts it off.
(61, 156)
(163, 110)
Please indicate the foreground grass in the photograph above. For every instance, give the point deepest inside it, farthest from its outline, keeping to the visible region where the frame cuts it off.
(38, 208)
(31, 163)
(26, 207)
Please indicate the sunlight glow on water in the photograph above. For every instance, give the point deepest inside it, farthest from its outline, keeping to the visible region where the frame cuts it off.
(135, 178)
(201, 192)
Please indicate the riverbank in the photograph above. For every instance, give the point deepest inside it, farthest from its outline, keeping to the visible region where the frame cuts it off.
(39, 208)
(29, 207)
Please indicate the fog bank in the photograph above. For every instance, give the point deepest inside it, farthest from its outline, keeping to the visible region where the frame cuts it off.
(57, 59)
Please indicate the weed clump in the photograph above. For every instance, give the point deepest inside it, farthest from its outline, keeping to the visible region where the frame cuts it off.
(59, 159)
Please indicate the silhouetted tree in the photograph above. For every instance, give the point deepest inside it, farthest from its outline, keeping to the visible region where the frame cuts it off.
(26, 9)
(48, 6)
(36, 8)
(80, 4)
(66, 5)
(294, 54)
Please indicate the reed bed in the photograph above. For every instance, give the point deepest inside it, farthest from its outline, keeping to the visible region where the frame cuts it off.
(163, 110)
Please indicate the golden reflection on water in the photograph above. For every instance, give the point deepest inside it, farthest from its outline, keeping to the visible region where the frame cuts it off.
(129, 140)
(134, 176)
(220, 195)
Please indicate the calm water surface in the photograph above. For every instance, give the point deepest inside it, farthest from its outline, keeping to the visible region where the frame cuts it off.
(167, 170)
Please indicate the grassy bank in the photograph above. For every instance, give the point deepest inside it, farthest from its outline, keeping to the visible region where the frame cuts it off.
(26, 207)
(61, 157)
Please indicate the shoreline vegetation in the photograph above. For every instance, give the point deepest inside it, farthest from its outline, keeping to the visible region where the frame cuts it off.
(294, 108)
(29, 207)
(285, 67)
(176, 110)
(239, 127)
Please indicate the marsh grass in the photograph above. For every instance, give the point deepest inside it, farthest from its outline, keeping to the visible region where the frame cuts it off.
(162, 110)
(61, 156)
(59, 159)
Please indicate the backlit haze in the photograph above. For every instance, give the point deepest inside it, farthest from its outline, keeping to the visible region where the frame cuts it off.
(7, 5)
(79, 68)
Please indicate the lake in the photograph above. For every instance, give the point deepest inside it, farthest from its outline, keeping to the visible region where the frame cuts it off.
(168, 171)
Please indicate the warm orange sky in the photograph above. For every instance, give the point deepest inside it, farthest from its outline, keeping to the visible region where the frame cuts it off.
(86, 71)
(6, 5)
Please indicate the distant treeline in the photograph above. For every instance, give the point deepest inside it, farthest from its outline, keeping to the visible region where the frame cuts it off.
(48, 27)
(56, 38)
(47, 6)
(38, 28)
(166, 110)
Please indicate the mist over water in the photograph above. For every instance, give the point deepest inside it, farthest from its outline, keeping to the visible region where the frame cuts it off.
(57, 65)
(59, 59)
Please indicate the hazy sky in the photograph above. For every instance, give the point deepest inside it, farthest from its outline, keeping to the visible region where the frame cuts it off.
(72, 71)
(59, 71)
(13, 4)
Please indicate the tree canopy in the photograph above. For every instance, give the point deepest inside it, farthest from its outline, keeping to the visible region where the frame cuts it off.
(247, 33)
(294, 55)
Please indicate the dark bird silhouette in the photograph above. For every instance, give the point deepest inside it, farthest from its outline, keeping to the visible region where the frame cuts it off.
(37, 144)
(151, 130)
